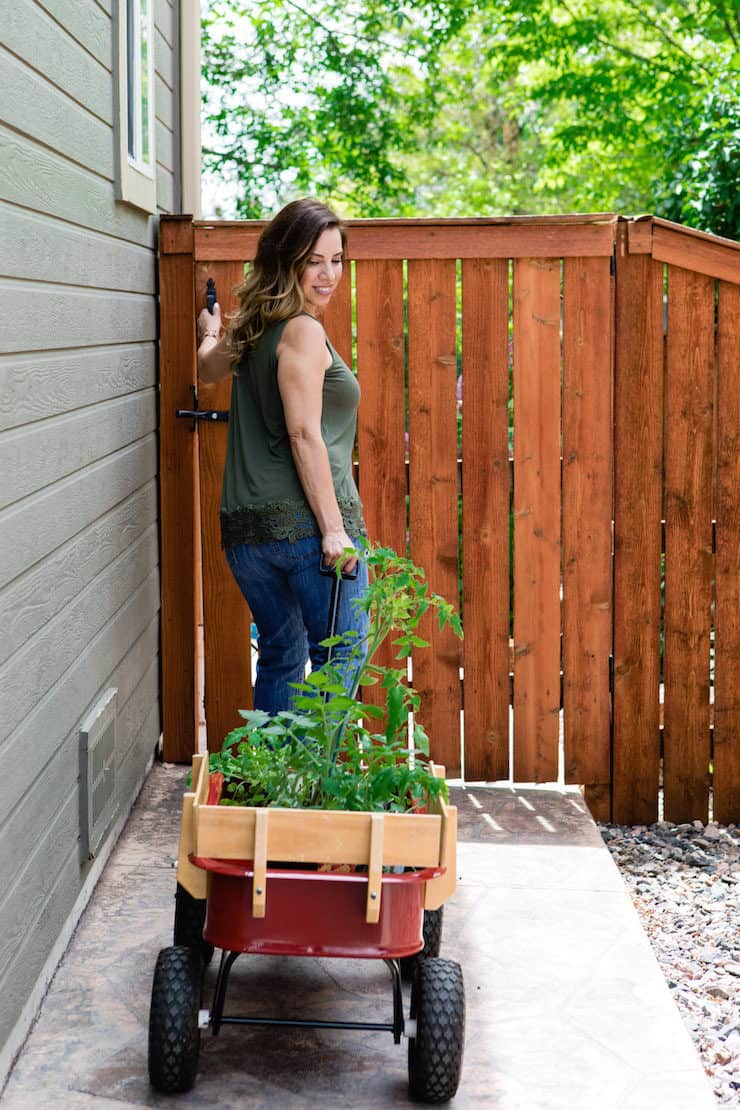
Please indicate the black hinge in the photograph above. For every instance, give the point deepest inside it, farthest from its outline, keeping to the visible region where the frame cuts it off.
(195, 414)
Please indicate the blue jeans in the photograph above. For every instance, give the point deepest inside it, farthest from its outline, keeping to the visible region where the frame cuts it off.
(289, 600)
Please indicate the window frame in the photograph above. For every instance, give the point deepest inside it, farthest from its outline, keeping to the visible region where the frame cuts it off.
(136, 182)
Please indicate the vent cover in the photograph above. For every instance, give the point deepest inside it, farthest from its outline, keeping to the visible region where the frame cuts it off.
(97, 774)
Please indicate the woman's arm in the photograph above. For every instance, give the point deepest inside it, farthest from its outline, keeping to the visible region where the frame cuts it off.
(214, 356)
(303, 359)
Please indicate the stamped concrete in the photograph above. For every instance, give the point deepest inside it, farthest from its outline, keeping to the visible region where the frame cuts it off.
(566, 1006)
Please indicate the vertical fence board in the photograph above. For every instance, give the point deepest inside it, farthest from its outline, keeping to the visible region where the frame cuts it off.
(485, 516)
(587, 519)
(727, 566)
(536, 518)
(226, 618)
(688, 554)
(177, 488)
(638, 470)
(433, 497)
(380, 427)
(337, 319)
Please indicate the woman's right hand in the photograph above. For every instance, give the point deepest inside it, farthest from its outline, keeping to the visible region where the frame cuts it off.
(333, 545)
(209, 323)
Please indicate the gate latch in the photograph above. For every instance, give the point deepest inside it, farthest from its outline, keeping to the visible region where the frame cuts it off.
(195, 414)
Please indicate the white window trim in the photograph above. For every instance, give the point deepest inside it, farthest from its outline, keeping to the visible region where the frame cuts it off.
(190, 109)
(136, 182)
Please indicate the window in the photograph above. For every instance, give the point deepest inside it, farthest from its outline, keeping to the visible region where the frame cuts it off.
(136, 177)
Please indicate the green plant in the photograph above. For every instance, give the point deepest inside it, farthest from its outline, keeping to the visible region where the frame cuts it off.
(323, 753)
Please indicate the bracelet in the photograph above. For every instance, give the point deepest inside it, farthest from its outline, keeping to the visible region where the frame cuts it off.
(210, 335)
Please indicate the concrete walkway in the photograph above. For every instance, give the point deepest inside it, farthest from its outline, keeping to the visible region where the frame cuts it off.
(566, 1006)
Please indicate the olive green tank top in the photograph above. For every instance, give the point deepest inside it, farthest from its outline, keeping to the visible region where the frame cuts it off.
(262, 498)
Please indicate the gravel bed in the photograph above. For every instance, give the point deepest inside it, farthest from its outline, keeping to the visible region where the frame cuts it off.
(685, 884)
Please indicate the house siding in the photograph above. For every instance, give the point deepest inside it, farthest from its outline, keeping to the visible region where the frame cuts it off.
(79, 557)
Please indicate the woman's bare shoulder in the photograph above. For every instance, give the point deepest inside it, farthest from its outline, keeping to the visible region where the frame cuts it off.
(302, 334)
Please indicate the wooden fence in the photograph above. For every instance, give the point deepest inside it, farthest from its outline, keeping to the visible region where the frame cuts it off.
(615, 343)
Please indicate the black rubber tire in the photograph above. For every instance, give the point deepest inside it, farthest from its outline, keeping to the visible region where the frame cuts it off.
(190, 917)
(174, 1036)
(433, 922)
(436, 1051)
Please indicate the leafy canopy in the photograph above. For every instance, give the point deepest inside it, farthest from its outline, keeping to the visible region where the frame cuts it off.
(386, 107)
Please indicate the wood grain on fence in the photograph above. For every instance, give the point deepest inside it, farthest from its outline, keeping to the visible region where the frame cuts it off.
(381, 417)
(226, 618)
(178, 469)
(513, 237)
(726, 755)
(688, 543)
(632, 323)
(638, 478)
(337, 319)
(587, 520)
(536, 519)
(432, 376)
(485, 516)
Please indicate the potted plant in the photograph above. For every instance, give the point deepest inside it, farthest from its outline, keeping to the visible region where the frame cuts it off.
(334, 753)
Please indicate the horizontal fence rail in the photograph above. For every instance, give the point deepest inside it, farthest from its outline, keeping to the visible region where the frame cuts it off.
(549, 426)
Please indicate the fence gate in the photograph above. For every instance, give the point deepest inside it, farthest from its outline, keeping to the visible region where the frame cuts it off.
(550, 425)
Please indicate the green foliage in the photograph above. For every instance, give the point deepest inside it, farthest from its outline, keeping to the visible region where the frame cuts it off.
(311, 98)
(323, 754)
(391, 108)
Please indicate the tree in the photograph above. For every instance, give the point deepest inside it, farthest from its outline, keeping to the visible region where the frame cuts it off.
(318, 98)
(491, 106)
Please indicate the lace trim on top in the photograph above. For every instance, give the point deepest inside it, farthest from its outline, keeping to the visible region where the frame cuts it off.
(283, 520)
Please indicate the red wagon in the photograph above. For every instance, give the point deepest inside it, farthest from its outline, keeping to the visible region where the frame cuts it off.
(359, 885)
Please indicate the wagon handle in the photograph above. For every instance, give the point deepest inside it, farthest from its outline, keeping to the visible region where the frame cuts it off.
(336, 594)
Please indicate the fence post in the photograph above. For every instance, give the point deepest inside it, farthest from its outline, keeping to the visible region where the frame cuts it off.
(638, 466)
(727, 569)
(177, 490)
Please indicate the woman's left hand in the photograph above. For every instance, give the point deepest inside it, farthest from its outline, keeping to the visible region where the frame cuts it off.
(333, 546)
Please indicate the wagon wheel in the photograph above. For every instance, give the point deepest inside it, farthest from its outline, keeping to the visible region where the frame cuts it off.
(190, 917)
(436, 1048)
(174, 1035)
(433, 921)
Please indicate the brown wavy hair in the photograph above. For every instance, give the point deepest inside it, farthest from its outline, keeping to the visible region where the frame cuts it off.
(271, 291)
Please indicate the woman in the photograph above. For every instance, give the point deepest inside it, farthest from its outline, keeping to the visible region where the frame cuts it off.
(289, 498)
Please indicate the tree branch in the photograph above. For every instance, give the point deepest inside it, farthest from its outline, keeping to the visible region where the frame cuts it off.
(651, 62)
(725, 17)
(655, 25)
(335, 35)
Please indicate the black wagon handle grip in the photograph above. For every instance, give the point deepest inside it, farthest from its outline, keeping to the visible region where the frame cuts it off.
(211, 296)
(328, 570)
(336, 593)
